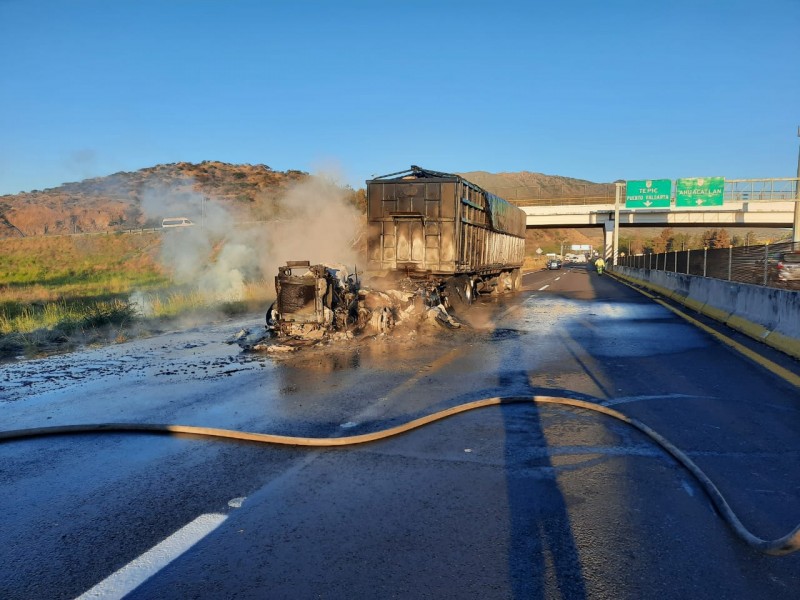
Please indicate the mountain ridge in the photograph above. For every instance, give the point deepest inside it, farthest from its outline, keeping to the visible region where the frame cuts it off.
(141, 198)
(127, 199)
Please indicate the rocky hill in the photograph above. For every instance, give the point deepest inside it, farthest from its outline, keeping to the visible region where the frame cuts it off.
(525, 185)
(130, 200)
(142, 198)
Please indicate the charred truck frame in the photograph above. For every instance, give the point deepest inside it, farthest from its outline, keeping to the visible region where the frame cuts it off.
(427, 224)
(433, 240)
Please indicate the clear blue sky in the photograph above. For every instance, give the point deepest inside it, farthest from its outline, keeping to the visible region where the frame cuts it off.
(600, 90)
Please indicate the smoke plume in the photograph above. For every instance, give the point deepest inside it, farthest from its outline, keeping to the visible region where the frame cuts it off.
(220, 254)
(314, 221)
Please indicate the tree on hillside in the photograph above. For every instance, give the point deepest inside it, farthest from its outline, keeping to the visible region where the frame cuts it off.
(691, 242)
(637, 245)
(680, 241)
(708, 238)
(631, 245)
(722, 239)
(663, 242)
(357, 198)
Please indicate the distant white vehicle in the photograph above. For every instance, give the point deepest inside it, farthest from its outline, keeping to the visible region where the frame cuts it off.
(176, 222)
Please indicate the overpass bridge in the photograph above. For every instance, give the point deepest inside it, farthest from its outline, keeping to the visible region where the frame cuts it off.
(746, 203)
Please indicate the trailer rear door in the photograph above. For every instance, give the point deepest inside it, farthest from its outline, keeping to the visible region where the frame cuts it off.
(410, 239)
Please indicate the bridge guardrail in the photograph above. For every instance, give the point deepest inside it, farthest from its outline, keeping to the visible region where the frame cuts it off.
(735, 191)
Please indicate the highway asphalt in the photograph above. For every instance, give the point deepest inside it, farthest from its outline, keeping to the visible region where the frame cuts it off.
(520, 501)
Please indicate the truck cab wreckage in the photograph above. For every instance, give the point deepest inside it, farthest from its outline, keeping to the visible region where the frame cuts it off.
(315, 300)
(318, 301)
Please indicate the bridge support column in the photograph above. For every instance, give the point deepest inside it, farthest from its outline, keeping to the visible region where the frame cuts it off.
(609, 231)
(615, 242)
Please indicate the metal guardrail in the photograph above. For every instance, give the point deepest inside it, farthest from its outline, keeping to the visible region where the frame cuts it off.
(736, 190)
(761, 190)
(136, 231)
(565, 201)
(743, 264)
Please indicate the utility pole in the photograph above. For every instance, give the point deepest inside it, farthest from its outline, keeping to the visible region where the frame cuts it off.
(796, 228)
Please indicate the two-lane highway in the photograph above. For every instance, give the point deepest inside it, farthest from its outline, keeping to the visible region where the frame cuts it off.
(522, 501)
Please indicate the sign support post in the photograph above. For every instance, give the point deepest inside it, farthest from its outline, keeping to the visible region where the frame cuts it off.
(615, 245)
(796, 228)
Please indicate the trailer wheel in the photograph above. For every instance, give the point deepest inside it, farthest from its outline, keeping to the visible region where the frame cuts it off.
(460, 291)
(466, 290)
(272, 322)
(516, 280)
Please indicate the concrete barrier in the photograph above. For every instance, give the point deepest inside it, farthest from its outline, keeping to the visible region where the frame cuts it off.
(769, 315)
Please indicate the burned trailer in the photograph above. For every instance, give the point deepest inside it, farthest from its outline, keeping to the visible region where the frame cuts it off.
(429, 225)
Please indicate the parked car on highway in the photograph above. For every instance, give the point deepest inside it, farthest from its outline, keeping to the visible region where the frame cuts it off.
(787, 270)
(553, 263)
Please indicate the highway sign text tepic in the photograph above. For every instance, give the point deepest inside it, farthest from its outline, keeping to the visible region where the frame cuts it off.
(699, 191)
(648, 193)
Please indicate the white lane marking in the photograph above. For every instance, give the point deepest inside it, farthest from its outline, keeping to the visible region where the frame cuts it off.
(541, 289)
(132, 575)
(626, 399)
(557, 278)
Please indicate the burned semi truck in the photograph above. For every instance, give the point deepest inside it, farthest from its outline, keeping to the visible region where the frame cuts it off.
(434, 240)
(439, 226)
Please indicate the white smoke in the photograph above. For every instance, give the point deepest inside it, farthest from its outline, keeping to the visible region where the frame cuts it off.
(314, 222)
(218, 256)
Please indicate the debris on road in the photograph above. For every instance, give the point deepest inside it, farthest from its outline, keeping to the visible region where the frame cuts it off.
(317, 303)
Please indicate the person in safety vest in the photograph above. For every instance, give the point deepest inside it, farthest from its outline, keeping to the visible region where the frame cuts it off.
(599, 265)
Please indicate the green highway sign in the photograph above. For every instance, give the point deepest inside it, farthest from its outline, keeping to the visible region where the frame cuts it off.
(699, 191)
(648, 193)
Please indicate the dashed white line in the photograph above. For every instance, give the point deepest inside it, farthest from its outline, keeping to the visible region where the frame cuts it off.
(541, 289)
(626, 399)
(557, 278)
(136, 572)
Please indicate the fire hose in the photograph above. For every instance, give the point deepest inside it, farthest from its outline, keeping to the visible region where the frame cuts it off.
(784, 545)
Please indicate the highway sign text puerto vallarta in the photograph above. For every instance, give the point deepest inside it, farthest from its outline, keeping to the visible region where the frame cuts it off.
(648, 193)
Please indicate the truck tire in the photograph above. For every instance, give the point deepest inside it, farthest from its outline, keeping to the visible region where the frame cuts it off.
(516, 280)
(466, 289)
(271, 321)
(460, 291)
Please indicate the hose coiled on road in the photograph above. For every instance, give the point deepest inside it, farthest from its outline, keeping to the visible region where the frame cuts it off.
(784, 545)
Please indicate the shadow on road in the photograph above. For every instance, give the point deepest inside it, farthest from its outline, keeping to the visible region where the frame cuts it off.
(542, 549)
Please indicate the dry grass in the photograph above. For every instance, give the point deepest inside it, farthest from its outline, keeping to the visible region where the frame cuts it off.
(534, 263)
(79, 263)
(165, 304)
(61, 292)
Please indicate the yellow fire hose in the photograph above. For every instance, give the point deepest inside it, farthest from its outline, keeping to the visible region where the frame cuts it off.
(784, 545)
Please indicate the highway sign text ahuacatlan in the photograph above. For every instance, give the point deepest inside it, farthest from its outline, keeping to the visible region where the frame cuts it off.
(699, 191)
